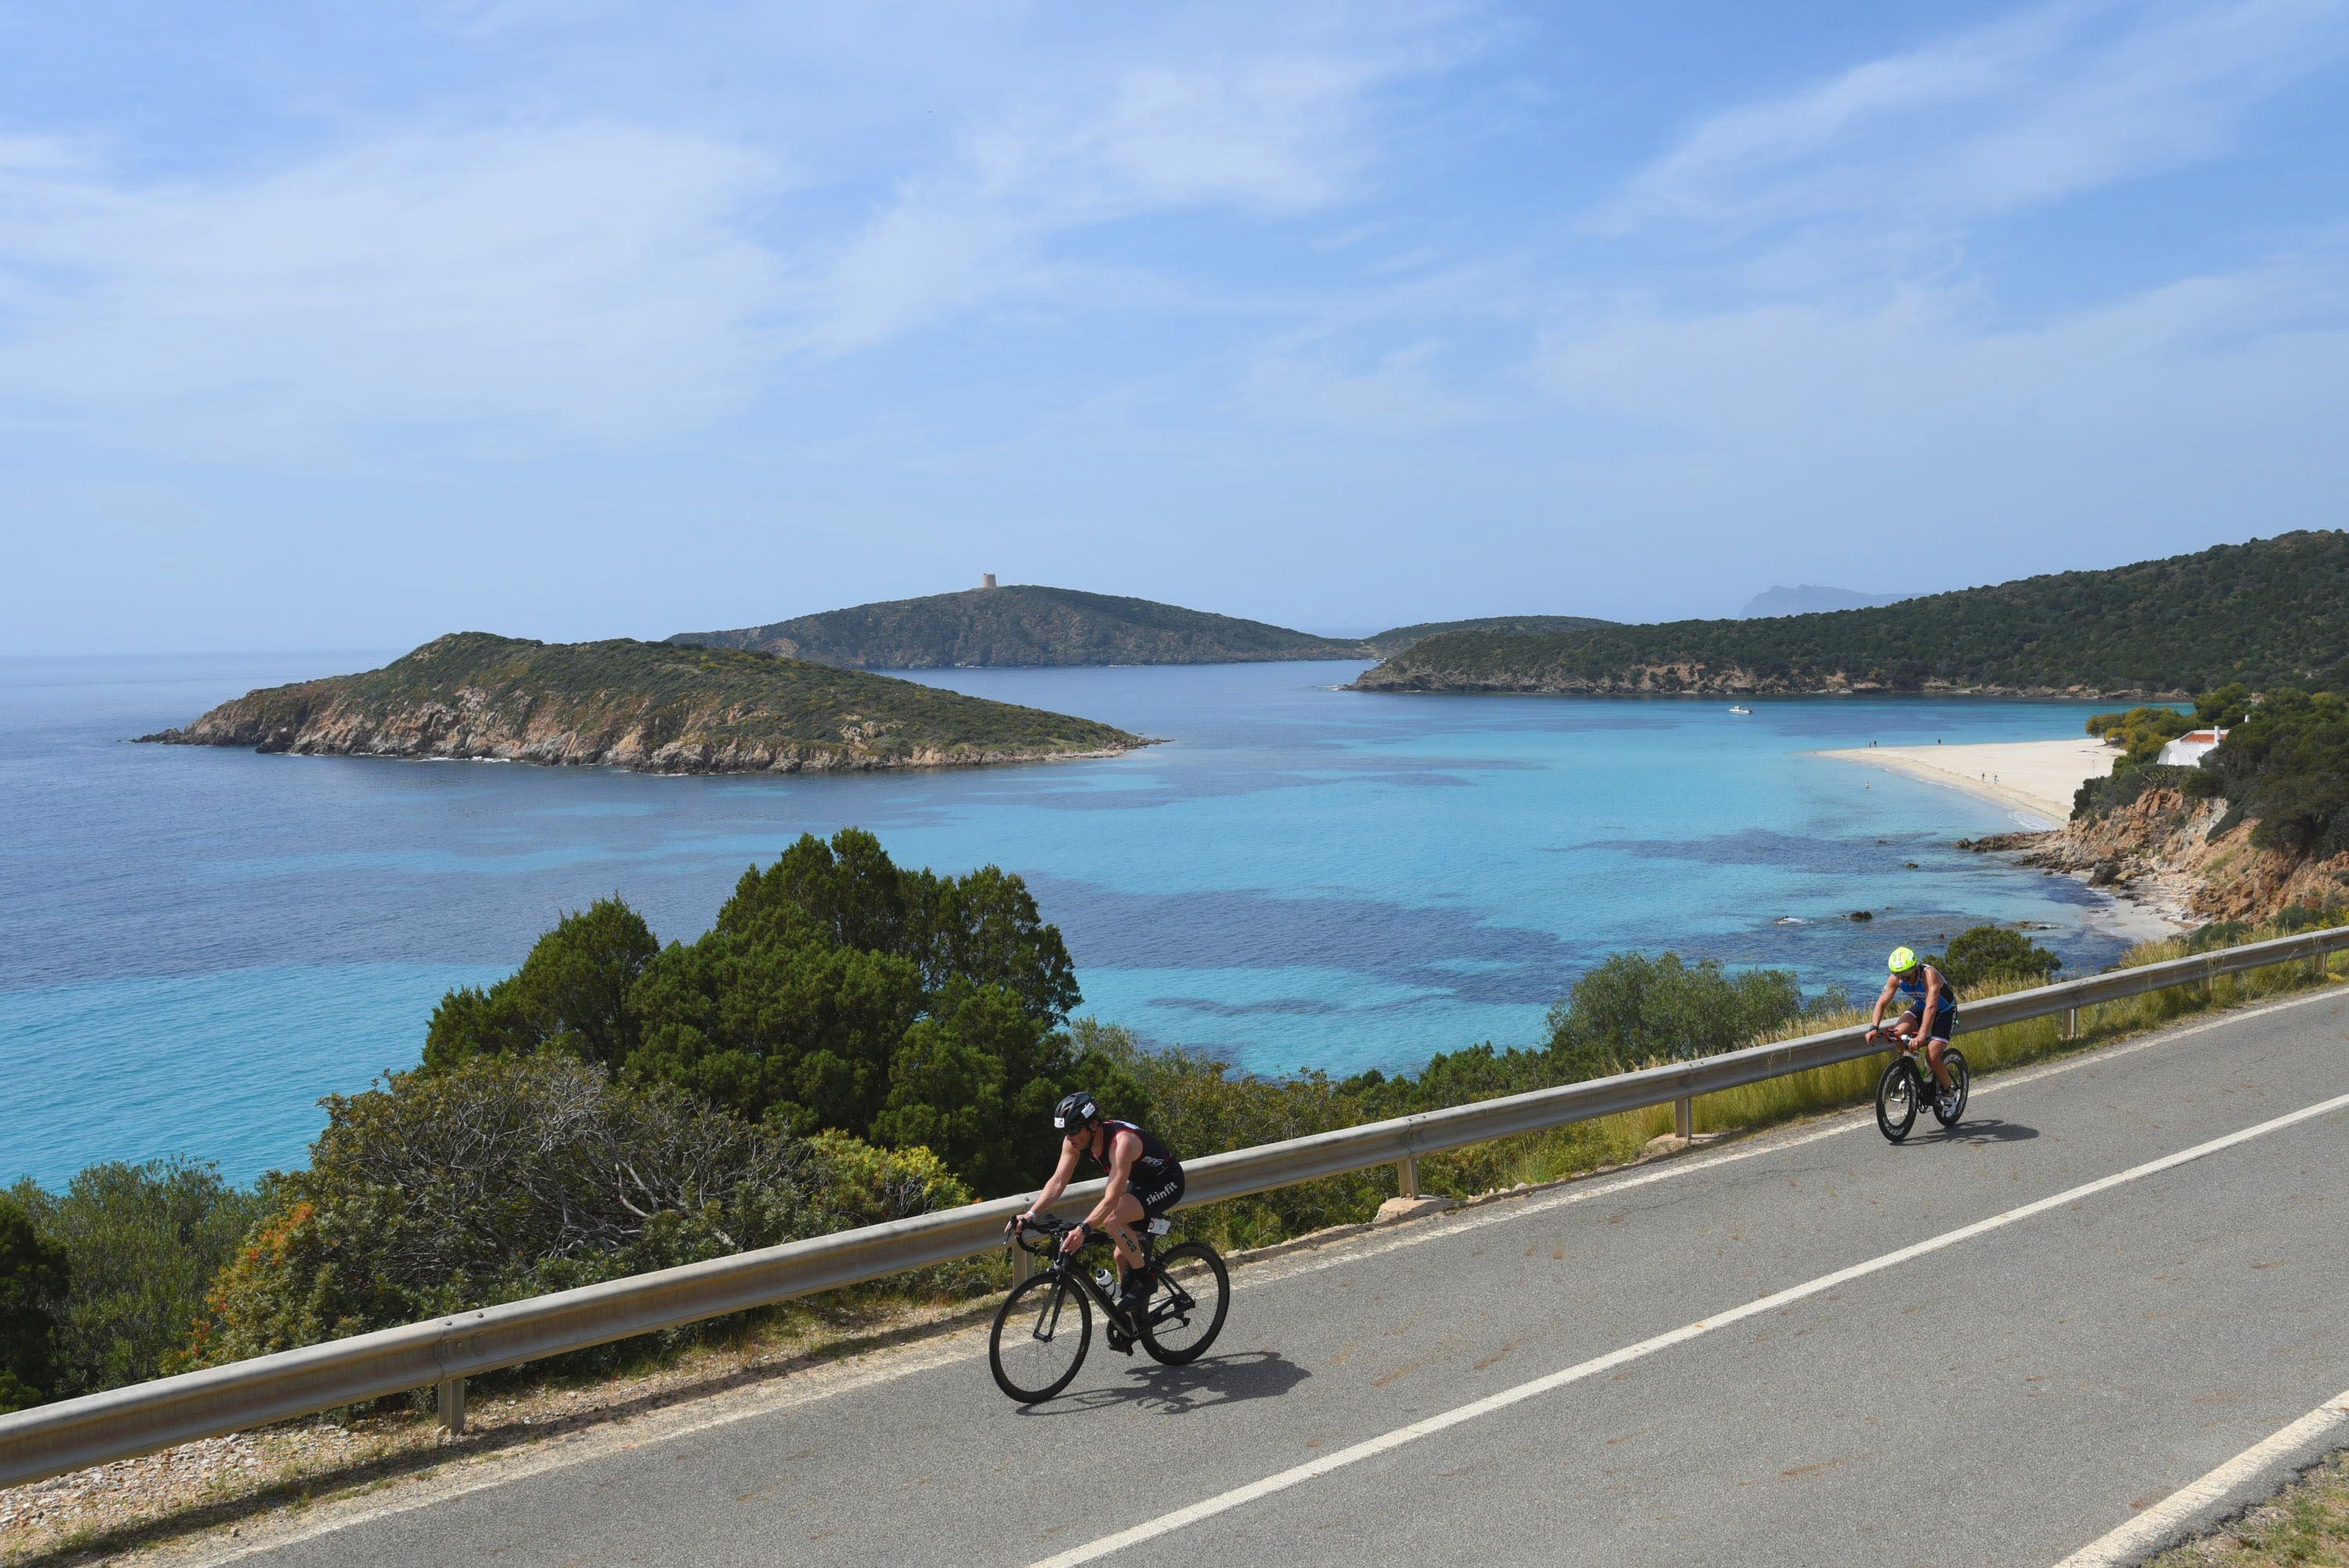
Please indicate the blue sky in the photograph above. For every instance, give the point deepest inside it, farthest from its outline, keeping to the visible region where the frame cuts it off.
(344, 327)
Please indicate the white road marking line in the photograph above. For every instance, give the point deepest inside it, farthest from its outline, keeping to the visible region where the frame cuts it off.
(2153, 1527)
(1386, 1442)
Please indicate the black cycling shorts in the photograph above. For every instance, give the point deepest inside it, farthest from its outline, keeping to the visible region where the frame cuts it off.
(1158, 1193)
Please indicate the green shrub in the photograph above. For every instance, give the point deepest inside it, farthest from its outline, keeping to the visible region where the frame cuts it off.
(2141, 732)
(33, 1283)
(1633, 1010)
(2220, 933)
(513, 1176)
(1987, 954)
(143, 1243)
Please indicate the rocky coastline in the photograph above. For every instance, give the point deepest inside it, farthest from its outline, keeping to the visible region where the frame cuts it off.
(2192, 861)
(1692, 679)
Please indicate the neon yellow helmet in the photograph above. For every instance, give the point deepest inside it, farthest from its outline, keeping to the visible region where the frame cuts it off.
(1903, 960)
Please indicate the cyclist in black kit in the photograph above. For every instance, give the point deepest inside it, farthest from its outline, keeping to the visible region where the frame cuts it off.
(1146, 1180)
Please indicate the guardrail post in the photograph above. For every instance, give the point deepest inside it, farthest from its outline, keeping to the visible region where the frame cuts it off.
(2072, 1023)
(1023, 1264)
(1684, 1117)
(452, 1400)
(1407, 1175)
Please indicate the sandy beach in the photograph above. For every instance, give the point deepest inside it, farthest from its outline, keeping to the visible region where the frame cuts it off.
(2034, 777)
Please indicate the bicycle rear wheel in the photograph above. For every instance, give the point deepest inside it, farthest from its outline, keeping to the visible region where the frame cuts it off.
(1896, 1099)
(1036, 1348)
(1962, 1084)
(1186, 1310)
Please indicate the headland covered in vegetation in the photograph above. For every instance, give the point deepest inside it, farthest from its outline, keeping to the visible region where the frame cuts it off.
(649, 707)
(2267, 613)
(1025, 625)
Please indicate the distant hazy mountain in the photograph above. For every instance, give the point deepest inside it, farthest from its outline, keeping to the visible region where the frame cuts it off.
(1024, 625)
(1810, 599)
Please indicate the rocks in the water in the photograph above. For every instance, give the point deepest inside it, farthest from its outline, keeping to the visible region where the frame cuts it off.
(1860, 914)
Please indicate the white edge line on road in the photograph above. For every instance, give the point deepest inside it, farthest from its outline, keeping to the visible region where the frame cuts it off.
(1385, 1443)
(2154, 1527)
(870, 1368)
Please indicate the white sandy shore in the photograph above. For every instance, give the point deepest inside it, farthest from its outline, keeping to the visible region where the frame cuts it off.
(2033, 777)
(2034, 780)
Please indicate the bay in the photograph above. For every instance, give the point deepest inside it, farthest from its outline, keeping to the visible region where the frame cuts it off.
(195, 945)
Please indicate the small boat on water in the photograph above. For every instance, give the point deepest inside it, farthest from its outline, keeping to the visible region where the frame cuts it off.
(1741, 707)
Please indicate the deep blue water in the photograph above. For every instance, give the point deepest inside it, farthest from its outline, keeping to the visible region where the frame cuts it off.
(195, 945)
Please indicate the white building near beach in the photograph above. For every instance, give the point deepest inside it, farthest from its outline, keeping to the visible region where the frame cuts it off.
(2188, 750)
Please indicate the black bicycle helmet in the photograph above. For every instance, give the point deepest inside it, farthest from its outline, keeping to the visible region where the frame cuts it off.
(1075, 1112)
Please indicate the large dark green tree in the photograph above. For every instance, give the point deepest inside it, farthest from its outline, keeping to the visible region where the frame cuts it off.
(571, 993)
(836, 990)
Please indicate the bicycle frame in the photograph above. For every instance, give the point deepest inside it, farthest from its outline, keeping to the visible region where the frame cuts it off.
(1067, 1267)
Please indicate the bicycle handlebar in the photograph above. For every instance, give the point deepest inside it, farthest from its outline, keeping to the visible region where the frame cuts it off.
(1044, 1226)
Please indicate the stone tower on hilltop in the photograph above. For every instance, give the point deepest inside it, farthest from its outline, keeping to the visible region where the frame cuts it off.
(986, 579)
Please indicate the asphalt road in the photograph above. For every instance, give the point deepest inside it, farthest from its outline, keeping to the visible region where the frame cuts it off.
(1946, 1382)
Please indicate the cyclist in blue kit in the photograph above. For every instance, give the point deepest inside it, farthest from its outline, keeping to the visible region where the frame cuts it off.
(1932, 1000)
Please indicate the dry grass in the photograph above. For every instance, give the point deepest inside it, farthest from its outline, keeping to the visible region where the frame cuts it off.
(2306, 1523)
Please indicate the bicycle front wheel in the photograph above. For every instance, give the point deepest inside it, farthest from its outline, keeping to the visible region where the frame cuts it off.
(1896, 1099)
(1962, 1084)
(1186, 1309)
(1041, 1332)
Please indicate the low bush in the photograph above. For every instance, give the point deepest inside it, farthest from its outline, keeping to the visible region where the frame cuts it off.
(513, 1176)
(142, 1244)
(1992, 954)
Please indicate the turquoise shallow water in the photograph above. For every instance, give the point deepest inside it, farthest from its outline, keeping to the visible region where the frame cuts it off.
(199, 943)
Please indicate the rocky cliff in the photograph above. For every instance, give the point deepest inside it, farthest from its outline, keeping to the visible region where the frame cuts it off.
(2183, 856)
(643, 706)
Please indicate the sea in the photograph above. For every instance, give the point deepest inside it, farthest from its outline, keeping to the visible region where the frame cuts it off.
(197, 943)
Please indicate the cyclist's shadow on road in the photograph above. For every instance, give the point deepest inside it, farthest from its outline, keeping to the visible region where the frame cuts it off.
(1175, 1390)
(1991, 1130)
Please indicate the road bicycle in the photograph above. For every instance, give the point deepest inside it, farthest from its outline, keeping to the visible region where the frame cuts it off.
(1908, 1084)
(1046, 1324)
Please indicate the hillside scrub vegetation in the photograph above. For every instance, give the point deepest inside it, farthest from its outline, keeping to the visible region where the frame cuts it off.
(506, 1177)
(2266, 613)
(1023, 624)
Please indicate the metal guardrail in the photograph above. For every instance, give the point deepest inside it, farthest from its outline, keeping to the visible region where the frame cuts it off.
(50, 1440)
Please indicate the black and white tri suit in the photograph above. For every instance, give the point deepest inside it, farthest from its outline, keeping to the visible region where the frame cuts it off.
(1156, 1179)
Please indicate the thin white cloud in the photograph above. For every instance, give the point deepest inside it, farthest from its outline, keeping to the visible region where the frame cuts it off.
(591, 279)
(1267, 135)
(2042, 105)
